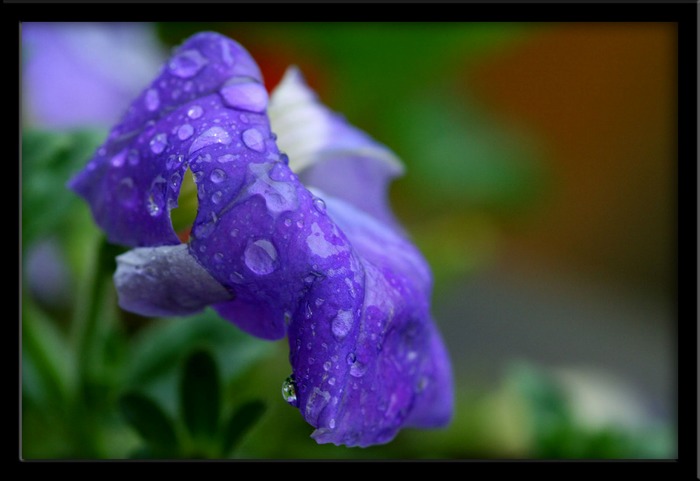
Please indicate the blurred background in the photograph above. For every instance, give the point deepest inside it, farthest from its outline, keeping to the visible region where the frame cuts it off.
(540, 185)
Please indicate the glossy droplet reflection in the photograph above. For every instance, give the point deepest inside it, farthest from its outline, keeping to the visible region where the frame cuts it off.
(289, 390)
(187, 64)
(261, 257)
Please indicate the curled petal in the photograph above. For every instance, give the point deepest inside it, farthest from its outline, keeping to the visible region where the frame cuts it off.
(330, 154)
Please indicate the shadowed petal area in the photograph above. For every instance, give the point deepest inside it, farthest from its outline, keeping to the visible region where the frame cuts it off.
(330, 154)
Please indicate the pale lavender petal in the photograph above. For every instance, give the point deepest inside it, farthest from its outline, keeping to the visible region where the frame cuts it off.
(85, 74)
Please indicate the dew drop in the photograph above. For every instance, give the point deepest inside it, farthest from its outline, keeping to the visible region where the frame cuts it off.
(341, 324)
(319, 205)
(261, 257)
(216, 197)
(187, 64)
(119, 159)
(331, 424)
(351, 358)
(219, 257)
(289, 390)
(158, 143)
(185, 132)
(253, 139)
(195, 112)
(214, 135)
(288, 222)
(331, 381)
(126, 193)
(133, 157)
(233, 233)
(327, 366)
(357, 369)
(244, 93)
(217, 176)
(175, 180)
(284, 158)
(152, 99)
(226, 158)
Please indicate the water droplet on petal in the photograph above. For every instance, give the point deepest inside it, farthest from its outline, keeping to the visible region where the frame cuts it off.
(253, 139)
(195, 112)
(327, 366)
(133, 157)
(217, 196)
(187, 64)
(357, 369)
(217, 176)
(261, 257)
(226, 158)
(214, 135)
(244, 93)
(185, 132)
(351, 358)
(219, 257)
(119, 159)
(234, 232)
(126, 193)
(288, 222)
(284, 158)
(158, 143)
(175, 180)
(152, 99)
(320, 205)
(289, 390)
(331, 423)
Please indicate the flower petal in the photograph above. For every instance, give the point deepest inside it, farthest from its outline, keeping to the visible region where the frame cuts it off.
(184, 119)
(328, 153)
(362, 375)
(165, 281)
(84, 73)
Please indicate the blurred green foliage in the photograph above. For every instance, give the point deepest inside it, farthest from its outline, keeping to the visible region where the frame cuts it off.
(101, 383)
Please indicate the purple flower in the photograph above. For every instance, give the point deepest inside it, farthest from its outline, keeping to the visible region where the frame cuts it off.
(300, 244)
(77, 74)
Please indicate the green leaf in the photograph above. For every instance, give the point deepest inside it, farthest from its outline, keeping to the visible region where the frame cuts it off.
(242, 419)
(152, 424)
(49, 160)
(159, 351)
(200, 393)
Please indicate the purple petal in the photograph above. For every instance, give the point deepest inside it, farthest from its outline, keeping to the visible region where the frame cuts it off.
(134, 179)
(330, 154)
(85, 73)
(362, 375)
(334, 274)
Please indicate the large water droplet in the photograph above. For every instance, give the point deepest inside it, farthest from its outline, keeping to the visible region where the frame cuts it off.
(217, 176)
(341, 324)
(253, 139)
(187, 64)
(158, 143)
(152, 99)
(261, 257)
(244, 93)
(289, 390)
(185, 132)
(195, 112)
(214, 135)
